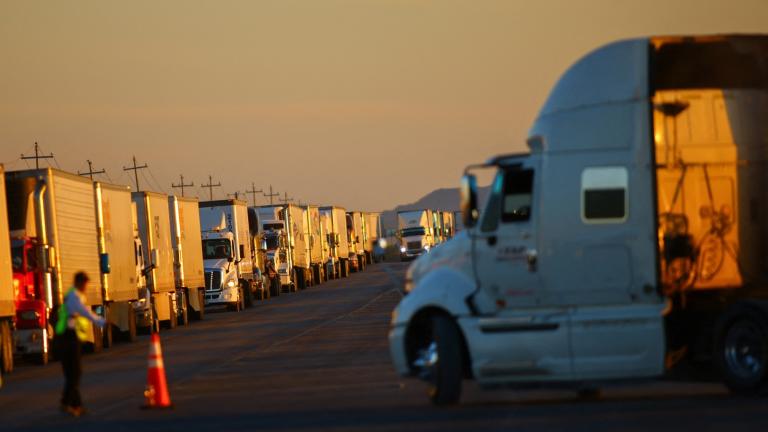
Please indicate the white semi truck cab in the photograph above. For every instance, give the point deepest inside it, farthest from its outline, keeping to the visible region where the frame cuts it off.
(227, 256)
(629, 241)
(415, 233)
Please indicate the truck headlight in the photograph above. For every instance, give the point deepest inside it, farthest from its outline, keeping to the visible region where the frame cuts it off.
(231, 284)
(426, 248)
(402, 248)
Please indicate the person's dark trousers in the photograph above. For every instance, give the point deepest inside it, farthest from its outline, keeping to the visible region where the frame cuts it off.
(69, 352)
(276, 284)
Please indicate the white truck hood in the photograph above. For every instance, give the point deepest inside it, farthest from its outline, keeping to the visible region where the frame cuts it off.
(454, 254)
(217, 264)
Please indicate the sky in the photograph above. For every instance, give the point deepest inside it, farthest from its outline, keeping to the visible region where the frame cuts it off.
(365, 104)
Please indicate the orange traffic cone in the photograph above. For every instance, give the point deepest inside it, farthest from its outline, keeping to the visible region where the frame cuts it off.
(156, 393)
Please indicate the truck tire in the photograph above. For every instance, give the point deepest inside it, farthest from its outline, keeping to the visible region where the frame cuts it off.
(40, 358)
(248, 294)
(6, 346)
(184, 316)
(199, 315)
(98, 341)
(741, 349)
(131, 334)
(173, 318)
(107, 339)
(446, 372)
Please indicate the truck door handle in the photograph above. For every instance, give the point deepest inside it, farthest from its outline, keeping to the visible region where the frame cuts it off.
(533, 258)
(491, 240)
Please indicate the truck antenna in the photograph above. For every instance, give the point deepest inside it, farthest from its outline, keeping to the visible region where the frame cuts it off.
(37, 156)
(182, 185)
(91, 172)
(210, 186)
(135, 168)
(271, 195)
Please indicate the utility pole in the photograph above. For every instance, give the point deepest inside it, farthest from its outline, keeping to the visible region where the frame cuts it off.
(253, 193)
(286, 200)
(235, 195)
(182, 185)
(37, 156)
(271, 195)
(210, 186)
(91, 172)
(135, 168)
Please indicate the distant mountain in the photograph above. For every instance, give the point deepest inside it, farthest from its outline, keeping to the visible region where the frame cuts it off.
(445, 199)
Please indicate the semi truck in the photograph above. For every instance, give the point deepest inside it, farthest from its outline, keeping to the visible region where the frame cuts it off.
(295, 219)
(415, 231)
(53, 232)
(372, 235)
(122, 285)
(336, 238)
(186, 239)
(158, 304)
(274, 240)
(226, 243)
(627, 243)
(449, 225)
(356, 229)
(313, 231)
(7, 287)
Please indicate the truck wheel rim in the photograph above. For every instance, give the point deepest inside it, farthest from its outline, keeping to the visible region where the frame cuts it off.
(744, 350)
(426, 361)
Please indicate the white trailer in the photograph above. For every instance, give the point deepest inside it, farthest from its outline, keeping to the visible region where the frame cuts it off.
(335, 223)
(116, 240)
(186, 239)
(227, 255)
(296, 219)
(154, 224)
(313, 230)
(7, 295)
(52, 222)
(372, 236)
(356, 226)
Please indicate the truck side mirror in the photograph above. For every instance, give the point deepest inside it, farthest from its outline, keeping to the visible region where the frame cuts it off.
(468, 200)
(104, 263)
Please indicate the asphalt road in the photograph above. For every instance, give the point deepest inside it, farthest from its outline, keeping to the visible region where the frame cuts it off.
(318, 360)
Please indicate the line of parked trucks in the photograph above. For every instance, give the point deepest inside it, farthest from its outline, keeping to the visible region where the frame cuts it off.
(421, 230)
(153, 259)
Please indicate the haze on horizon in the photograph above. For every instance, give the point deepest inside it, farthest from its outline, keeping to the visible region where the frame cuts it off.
(363, 104)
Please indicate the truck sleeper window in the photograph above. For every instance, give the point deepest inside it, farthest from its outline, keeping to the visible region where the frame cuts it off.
(604, 195)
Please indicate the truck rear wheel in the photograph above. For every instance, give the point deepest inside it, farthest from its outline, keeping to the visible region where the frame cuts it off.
(741, 349)
(184, 313)
(200, 314)
(173, 318)
(441, 362)
(107, 335)
(6, 346)
(248, 294)
(131, 333)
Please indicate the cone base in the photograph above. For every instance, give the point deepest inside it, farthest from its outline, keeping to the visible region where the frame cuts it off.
(156, 407)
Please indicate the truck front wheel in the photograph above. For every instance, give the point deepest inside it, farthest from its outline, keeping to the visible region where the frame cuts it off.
(741, 349)
(440, 362)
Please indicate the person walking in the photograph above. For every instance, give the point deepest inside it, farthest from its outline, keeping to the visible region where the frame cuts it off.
(274, 280)
(73, 326)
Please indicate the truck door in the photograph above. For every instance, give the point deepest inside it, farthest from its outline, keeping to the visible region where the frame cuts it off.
(533, 340)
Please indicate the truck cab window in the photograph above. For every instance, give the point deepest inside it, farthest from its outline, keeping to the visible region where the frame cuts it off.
(493, 208)
(604, 195)
(518, 196)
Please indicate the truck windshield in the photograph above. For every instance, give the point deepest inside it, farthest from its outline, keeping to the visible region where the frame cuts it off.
(272, 226)
(273, 242)
(415, 231)
(217, 249)
(17, 254)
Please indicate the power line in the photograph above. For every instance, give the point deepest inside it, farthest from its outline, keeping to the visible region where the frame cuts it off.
(271, 195)
(253, 192)
(182, 185)
(91, 172)
(37, 156)
(210, 186)
(286, 200)
(135, 168)
(157, 183)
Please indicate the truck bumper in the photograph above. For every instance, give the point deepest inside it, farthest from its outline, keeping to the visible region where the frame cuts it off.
(285, 279)
(31, 341)
(143, 316)
(397, 350)
(225, 296)
(409, 255)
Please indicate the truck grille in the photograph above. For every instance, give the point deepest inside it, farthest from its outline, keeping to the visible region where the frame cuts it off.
(414, 245)
(212, 281)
